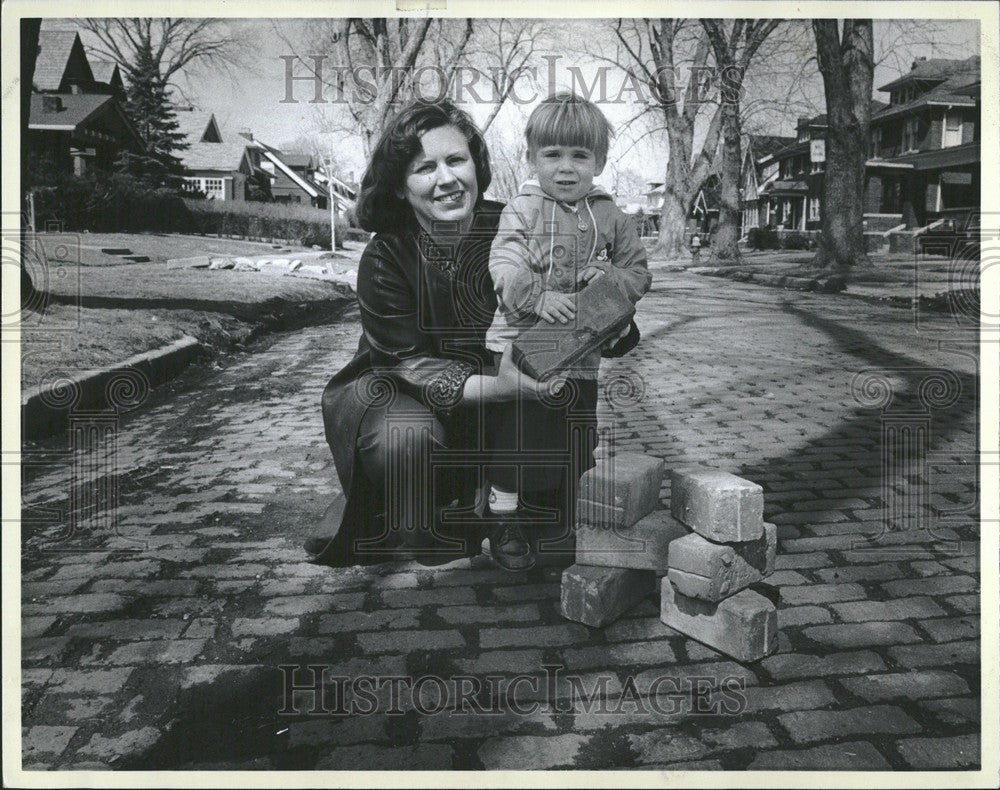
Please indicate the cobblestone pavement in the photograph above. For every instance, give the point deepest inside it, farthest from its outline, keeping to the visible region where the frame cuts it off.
(157, 644)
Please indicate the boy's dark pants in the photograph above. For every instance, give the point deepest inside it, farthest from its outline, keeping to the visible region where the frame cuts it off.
(540, 450)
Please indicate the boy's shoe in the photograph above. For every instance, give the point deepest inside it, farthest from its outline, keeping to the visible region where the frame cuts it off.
(510, 549)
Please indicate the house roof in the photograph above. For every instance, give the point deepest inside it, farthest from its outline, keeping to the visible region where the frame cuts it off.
(820, 120)
(934, 70)
(786, 186)
(202, 153)
(76, 108)
(766, 144)
(297, 160)
(54, 50)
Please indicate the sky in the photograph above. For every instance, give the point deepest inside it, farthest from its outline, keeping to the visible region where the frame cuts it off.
(249, 96)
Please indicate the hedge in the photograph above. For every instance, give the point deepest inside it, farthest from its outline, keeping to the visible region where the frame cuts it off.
(303, 224)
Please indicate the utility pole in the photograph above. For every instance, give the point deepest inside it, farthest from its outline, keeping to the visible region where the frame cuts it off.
(333, 202)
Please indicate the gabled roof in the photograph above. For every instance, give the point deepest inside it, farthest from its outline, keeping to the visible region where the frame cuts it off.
(105, 70)
(819, 121)
(761, 145)
(54, 50)
(298, 160)
(75, 109)
(934, 70)
(209, 147)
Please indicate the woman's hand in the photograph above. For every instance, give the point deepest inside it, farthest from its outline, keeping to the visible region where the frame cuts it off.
(555, 306)
(513, 382)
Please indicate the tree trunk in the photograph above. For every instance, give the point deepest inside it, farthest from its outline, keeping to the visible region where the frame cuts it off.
(29, 54)
(673, 218)
(724, 244)
(847, 65)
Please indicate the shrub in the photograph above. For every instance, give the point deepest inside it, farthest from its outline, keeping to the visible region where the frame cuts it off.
(762, 239)
(303, 224)
(795, 240)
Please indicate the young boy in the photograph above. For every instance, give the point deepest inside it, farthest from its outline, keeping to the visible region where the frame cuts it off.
(555, 236)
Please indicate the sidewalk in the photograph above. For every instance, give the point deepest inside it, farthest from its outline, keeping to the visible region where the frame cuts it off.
(156, 644)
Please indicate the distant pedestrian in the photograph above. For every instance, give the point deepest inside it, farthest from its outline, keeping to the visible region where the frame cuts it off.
(695, 249)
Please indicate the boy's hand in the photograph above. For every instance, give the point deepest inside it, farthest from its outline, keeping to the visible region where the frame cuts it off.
(590, 273)
(555, 306)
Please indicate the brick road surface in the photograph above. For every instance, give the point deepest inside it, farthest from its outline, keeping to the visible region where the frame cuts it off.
(156, 641)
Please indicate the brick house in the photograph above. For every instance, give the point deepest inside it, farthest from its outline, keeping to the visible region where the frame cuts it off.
(757, 175)
(923, 165)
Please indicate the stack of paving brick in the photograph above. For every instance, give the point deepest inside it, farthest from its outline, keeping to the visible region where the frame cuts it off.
(705, 593)
(622, 539)
(706, 551)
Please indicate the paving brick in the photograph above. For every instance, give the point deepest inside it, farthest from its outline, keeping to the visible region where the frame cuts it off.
(94, 681)
(62, 708)
(298, 605)
(717, 505)
(789, 666)
(700, 568)
(453, 725)
(488, 614)
(666, 745)
(744, 626)
(861, 573)
(88, 603)
(501, 661)
(853, 756)
(266, 626)
(956, 711)
(622, 654)
(792, 696)
(960, 751)
(46, 739)
(645, 628)
(969, 604)
(445, 596)
(785, 561)
(128, 629)
(618, 491)
(36, 626)
(597, 596)
(367, 621)
(847, 635)
(822, 594)
(899, 609)
(530, 752)
(950, 629)
(803, 615)
(128, 744)
(821, 725)
(740, 735)
(43, 649)
(938, 585)
(782, 578)
(644, 545)
(338, 732)
(409, 641)
(150, 589)
(158, 651)
(936, 655)
(906, 685)
(543, 636)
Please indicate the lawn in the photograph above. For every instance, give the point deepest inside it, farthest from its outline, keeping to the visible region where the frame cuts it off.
(96, 316)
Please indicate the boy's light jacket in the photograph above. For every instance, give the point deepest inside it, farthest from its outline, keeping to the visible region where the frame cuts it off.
(543, 245)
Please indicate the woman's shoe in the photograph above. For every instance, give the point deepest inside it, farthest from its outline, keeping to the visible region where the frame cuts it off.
(510, 549)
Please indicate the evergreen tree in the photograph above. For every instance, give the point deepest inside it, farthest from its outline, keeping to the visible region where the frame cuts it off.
(147, 104)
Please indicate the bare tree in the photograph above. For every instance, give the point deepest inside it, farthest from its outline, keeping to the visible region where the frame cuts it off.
(735, 47)
(846, 60)
(176, 44)
(657, 49)
(508, 159)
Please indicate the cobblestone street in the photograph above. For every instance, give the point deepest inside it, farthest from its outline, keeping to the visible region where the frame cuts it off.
(156, 643)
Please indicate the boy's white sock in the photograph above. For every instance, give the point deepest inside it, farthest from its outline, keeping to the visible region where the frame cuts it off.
(502, 501)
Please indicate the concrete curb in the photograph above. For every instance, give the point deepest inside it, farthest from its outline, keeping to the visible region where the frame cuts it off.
(46, 409)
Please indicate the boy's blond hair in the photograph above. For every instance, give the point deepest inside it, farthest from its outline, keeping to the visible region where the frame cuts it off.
(567, 119)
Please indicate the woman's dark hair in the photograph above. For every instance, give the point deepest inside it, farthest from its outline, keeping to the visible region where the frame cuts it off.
(379, 208)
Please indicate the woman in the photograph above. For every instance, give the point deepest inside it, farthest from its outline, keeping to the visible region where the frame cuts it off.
(422, 375)
(404, 419)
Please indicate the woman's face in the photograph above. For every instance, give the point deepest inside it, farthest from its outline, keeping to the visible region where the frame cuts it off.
(440, 183)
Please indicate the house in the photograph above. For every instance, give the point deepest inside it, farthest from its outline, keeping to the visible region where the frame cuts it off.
(923, 163)
(227, 165)
(924, 157)
(108, 78)
(214, 165)
(757, 174)
(76, 122)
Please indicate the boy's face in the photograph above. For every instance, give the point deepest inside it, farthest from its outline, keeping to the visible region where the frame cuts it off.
(565, 172)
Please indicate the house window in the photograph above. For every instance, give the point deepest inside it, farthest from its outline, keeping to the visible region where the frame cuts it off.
(876, 144)
(814, 208)
(266, 165)
(910, 130)
(191, 184)
(214, 188)
(952, 129)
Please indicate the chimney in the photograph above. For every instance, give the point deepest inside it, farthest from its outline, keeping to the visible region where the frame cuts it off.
(51, 103)
(921, 59)
(246, 133)
(75, 89)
